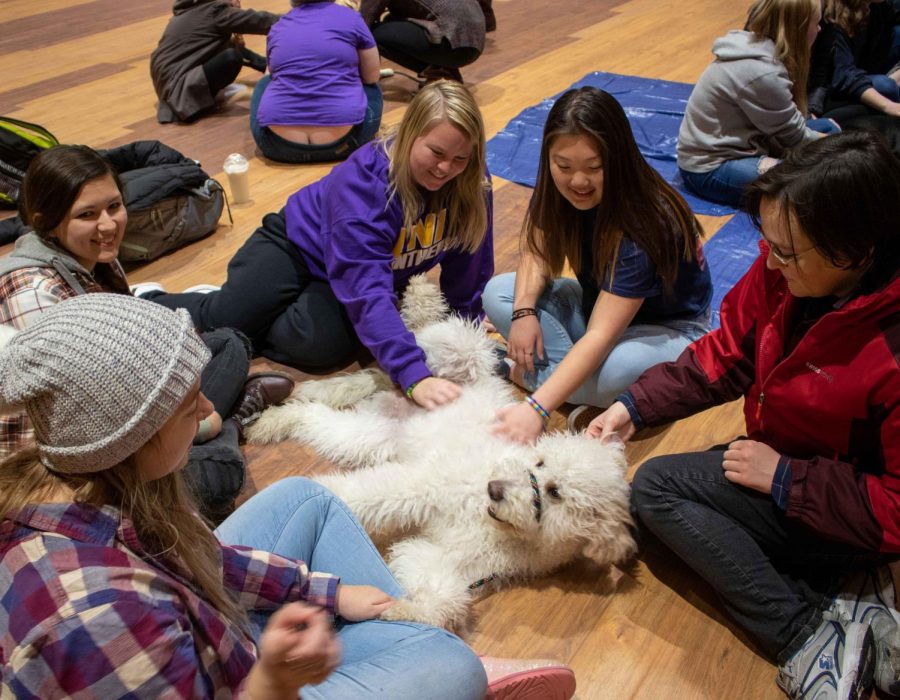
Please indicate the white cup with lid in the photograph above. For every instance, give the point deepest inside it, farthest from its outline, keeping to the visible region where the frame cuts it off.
(237, 168)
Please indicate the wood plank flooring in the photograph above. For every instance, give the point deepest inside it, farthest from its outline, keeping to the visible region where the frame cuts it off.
(651, 630)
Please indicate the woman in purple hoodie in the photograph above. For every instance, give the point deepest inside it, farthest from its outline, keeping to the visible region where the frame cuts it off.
(324, 274)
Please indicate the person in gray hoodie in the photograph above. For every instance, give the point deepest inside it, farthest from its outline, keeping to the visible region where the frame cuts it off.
(201, 52)
(748, 107)
(72, 202)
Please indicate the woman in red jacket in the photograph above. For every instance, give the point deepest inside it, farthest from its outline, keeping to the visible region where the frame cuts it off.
(810, 337)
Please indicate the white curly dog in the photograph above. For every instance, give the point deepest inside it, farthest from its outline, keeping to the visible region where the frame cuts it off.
(457, 506)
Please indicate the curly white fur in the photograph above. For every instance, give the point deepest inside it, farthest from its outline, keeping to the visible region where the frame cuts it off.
(456, 502)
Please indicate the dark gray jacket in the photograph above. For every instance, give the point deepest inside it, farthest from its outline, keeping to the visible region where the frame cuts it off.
(460, 22)
(199, 30)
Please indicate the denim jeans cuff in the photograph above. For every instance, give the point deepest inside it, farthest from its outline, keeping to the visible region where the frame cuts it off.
(803, 634)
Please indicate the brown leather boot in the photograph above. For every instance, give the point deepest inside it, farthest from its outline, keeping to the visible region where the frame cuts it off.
(261, 390)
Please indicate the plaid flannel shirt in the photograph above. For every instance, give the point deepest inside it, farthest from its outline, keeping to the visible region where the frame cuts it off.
(25, 294)
(87, 612)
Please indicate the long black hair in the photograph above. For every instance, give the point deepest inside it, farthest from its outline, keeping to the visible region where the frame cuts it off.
(635, 200)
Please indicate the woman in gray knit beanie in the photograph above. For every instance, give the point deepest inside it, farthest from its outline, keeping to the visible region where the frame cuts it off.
(111, 586)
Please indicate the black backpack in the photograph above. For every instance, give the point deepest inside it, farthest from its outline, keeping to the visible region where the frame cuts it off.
(171, 201)
(19, 143)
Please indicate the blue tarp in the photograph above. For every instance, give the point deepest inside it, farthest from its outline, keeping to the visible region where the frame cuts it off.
(654, 109)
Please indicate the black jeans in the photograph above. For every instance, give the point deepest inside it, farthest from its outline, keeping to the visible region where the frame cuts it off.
(407, 44)
(271, 296)
(215, 469)
(224, 375)
(774, 577)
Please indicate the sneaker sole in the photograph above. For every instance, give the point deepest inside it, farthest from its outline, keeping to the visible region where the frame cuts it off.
(537, 684)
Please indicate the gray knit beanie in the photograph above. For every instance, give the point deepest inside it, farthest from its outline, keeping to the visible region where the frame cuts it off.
(99, 375)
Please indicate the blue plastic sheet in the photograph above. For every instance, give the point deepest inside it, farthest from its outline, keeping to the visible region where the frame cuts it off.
(654, 109)
(729, 254)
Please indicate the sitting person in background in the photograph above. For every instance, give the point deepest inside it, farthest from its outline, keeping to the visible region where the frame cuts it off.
(749, 106)
(321, 101)
(72, 201)
(113, 588)
(810, 339)
(855, 59)
(201, 53)
(434, 38)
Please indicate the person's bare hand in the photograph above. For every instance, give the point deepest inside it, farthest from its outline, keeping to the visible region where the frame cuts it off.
(488, 326)
(297, 648)
(518, 423)
(357, 603)
(525, 339)
(615, 420)
(751, 464)
(432, 392)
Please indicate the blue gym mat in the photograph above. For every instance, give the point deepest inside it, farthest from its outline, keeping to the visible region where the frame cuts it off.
(654, 109)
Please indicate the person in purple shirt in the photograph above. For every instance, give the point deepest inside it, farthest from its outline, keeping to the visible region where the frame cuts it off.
(325, 273)
(643, 289)
(321, 101)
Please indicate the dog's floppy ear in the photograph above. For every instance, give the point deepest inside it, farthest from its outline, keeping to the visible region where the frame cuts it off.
(609, 540)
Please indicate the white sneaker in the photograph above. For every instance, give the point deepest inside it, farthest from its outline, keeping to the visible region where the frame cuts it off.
(869, 597)
(141, 289)
(233, 93)
(201, 289)
(836, 663)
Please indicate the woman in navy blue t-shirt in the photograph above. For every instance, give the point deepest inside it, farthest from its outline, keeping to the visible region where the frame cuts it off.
(643, 289)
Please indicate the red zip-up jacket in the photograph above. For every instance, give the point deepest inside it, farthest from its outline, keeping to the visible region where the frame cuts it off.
(831, 405)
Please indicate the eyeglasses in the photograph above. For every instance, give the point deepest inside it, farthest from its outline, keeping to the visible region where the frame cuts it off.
(784, 258)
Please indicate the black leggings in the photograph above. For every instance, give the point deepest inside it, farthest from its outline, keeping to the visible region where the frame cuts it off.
(407, 44)
(223, 68)
(271, 296)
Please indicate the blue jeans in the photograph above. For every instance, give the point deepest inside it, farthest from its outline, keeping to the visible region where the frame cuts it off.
(299, 519)
(773, 576)
(886, 86)
(727, 183)
(563, 323)
(271, 145)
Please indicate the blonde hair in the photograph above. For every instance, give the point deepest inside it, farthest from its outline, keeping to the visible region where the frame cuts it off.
(786, 23)
(162, 510)
(847, 15)
(451, 102)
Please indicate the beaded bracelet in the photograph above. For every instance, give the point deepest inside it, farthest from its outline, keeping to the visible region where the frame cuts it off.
(523, 312)
(409, 389)
(541, 411)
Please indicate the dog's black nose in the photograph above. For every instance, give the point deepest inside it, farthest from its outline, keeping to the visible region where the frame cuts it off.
(495, 490)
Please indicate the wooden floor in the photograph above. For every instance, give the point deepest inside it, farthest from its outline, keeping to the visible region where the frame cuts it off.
(653, 630)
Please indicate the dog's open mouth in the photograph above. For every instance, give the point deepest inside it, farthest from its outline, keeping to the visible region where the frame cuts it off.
(493, 514)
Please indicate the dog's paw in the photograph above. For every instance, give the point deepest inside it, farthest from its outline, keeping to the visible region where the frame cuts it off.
(411, 610)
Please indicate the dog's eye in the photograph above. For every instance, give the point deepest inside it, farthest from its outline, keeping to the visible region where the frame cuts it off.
(553, 492)
(539, 465)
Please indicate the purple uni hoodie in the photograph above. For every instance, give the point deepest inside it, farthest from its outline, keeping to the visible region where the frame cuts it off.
(352, 237)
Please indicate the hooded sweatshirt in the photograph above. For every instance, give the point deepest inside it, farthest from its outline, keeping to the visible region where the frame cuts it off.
(198, 30)
(741, 107)
(33, 277)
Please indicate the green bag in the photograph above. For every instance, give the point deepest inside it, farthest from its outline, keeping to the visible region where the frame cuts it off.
(19, 143)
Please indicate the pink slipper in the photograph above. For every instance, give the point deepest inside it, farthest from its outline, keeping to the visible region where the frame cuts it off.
(528, 679)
